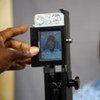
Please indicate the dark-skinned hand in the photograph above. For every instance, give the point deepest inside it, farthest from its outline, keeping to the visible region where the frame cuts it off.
(15, 54)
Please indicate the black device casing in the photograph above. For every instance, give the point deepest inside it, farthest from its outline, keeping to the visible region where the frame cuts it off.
(34, 42)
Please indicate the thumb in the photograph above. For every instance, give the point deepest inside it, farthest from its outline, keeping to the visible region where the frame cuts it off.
(20, 55)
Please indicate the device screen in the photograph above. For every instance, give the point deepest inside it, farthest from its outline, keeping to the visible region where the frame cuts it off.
(50, 45)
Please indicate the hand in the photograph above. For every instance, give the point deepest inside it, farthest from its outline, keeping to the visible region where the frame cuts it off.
(14, 54)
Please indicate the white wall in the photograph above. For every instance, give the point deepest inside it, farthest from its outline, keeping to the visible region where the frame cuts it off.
(84, 29)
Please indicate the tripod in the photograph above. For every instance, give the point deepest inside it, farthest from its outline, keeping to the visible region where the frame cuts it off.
(58, 84)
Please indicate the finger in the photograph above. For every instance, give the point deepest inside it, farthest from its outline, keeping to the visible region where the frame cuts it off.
(26, 61)
(19, 45)
(17, 66)
(11, 32)
(21, 55)
(16, 44)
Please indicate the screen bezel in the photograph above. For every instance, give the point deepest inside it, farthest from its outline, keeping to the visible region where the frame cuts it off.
(34, 42)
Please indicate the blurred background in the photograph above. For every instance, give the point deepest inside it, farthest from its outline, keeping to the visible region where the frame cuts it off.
(28, 84)
(7, 78)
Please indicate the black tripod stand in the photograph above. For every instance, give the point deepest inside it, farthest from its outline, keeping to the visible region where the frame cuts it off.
(58, 84)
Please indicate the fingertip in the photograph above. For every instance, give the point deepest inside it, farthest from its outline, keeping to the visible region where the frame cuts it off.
(22, 28)
(34, 51)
